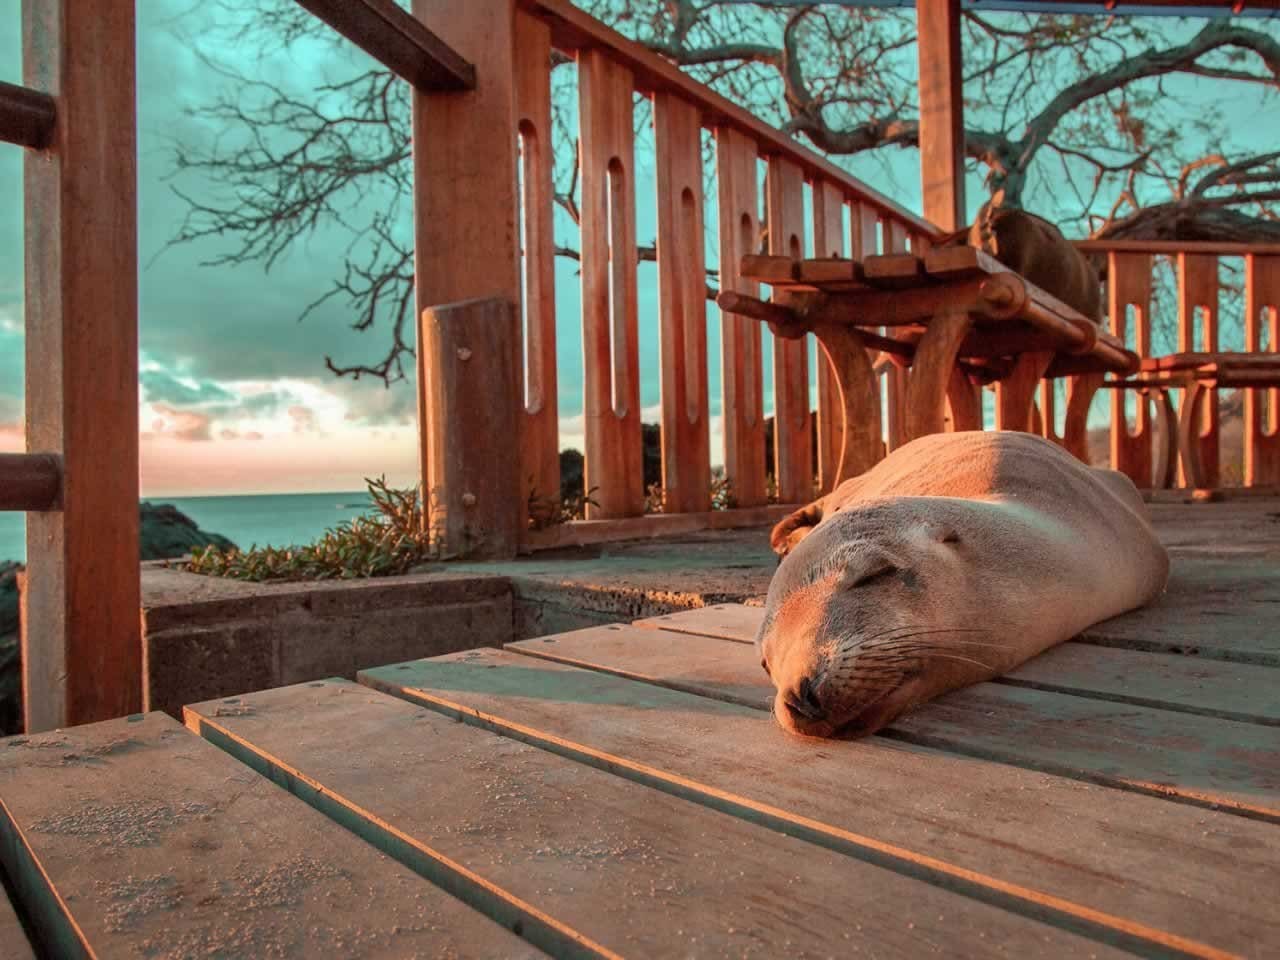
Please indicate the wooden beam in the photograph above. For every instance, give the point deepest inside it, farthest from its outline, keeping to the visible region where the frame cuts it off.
(398, 41)
(941, 112)
(26, 116)
(1214, 247)
(29, 481)
(82, 650)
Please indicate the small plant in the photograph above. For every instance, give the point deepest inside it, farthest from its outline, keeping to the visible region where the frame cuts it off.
(545, 511)
(391, 539)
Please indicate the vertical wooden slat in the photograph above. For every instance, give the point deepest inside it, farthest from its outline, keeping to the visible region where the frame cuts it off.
(1262, 420)
(742, 376)
(941, 111)
(610, 341)
(1198, 300)
(793, 439)
(467, 235)
(540, 428)
(1129, 284)
(828, 241)
(862, 231)
(82, 651)
(686, 441)
(895, 239)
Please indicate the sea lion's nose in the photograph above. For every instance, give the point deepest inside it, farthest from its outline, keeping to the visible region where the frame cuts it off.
(803, 700)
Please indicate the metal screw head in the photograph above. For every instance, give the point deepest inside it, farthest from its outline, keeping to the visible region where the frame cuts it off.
(468, 499)
(464, 353)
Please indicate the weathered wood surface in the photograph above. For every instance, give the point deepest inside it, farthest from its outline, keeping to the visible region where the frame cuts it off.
(1081, 856)
(82, 652)
(14, 944)
(597, 858)
(1199, 758)
(159, 844)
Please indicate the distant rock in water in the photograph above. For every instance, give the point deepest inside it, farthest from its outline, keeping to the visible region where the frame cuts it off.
(167, 532)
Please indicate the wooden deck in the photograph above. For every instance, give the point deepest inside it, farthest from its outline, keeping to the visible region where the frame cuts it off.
(622, 791)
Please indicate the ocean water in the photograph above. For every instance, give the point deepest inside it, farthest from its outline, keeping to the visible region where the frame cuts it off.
(278, 519)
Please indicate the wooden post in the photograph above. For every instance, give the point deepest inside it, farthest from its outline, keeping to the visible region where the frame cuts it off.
(941, 111)
(682, 286)
(742, 376)
(475, 506)
(828, 241)
(82, 651)
(1129, 285)
(1198, 290)
(466, 235)
(1261, 420)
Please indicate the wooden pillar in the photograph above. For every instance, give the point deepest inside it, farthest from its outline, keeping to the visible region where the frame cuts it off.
(82, 652)
(466, 231)
(941, 111)
(1129, 285)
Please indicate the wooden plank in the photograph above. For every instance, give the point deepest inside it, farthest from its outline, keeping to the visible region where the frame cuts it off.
(396, 40)
(14, 944)
(828, 246)
(792, 436)
(540, 426)
(1198, 330)
(682, 302)
(574, 29)
(1095, 859)
(466, 205)
(82, 651)
(136, 838)
(1262, 411)
(1129, 285)
(475, 506)
(581, 533)
(894, 271)
(1214, 687)
(1199, 758)
(598, 854)
(863, 227)
(27, 117)
(29, 481)
(1175, 247)
(741, 364)
(610, 338)
(941, 112)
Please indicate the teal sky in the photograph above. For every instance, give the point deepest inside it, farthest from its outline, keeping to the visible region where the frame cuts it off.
(234, 394)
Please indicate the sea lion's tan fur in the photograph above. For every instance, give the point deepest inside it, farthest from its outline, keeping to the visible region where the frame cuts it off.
(955, 559)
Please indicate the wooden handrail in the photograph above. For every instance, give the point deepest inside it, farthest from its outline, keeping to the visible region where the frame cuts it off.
(27, 116)
(398, 40)
(573, 30)
(30, 481)
(1169, 247)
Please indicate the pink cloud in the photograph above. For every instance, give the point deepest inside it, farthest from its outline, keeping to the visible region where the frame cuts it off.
(185, 425)
(304, 419)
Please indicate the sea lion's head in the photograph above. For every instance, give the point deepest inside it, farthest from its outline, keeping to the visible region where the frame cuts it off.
(872, 610)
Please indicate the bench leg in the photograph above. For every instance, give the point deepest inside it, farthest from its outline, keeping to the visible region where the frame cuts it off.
(965, 400)
(1189, 435)
(858, 397)
(1080, 393)
(930, 374)
(1166, 441)
(1016, 393)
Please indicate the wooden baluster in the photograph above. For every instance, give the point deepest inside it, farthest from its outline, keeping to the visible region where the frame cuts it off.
(828, 241)
(1197, 291)
(1075, 433)
(686, 441)
(1262, 420)
(1129, 284)
(742, 373)
(793, 439)
(82, 653)
(863, 229)
(611, 388)
(1049, 411)
(467, 247)
(895, 241)
(540, 427)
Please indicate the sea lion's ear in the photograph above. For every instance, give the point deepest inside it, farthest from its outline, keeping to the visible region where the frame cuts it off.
(790, 531)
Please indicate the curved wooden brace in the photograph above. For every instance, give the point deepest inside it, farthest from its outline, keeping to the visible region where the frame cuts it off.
(1016, 393)
(965, 400)
(1075, 432)
(1165, 453)
(1189, 435)
(935, 360)
(859, 399)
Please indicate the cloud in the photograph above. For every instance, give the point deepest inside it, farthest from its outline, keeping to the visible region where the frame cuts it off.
(187, 426)
(304, 419)
(160, 387)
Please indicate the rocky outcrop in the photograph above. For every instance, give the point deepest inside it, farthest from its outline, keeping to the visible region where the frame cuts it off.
(166, 532)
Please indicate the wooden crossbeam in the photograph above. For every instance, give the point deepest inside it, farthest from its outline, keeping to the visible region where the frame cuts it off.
(29, 481)
(27, 116)
(398, 40)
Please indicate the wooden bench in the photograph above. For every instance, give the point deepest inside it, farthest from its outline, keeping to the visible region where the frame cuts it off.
(622, 791)
(1177, 434)
(953, 318)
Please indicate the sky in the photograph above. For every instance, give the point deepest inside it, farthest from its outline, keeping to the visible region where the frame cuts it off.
(234, 396)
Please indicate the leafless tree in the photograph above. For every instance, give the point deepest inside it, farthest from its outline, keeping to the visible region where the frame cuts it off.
(1092, 119)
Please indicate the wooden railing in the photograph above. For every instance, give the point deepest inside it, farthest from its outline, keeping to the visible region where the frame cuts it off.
(1200, 299)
